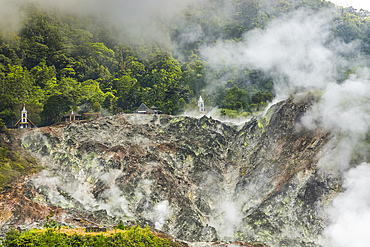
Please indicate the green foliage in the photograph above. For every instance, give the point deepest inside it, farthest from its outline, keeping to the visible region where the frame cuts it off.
(67, 67)
(54, 108)
(235, 99)
(262, 97)
(194, 73)
(50, 223)
(16, 83)
(2, 125)
(233, 113)
(96, 107)
(76, 62)
(121, 226)
(132, 237)
(7, 115)
(129, 92)
(43, 74)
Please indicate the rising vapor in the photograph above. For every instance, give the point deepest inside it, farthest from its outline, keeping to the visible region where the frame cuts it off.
(298, 50)
(301, 53)
(141, 20)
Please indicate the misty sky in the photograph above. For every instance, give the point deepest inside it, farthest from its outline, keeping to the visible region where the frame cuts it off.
(357, 4)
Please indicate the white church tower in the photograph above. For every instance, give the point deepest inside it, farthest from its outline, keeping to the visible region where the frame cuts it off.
(24, 122)
(201, 104)
(24, 114)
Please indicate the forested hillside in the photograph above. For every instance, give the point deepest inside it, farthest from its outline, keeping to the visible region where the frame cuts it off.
(59, 62)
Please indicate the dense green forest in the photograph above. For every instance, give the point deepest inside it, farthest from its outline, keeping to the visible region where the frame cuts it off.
(62, 62)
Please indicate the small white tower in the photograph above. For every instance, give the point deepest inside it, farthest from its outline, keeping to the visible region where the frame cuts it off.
(24, 122)
(201, 104)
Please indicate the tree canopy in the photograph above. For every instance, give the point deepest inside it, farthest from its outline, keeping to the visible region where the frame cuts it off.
(60, 62)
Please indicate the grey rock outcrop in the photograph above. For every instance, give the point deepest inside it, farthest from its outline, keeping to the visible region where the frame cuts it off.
(196, 179)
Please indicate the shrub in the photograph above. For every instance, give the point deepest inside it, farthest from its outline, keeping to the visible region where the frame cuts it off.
(134, 236)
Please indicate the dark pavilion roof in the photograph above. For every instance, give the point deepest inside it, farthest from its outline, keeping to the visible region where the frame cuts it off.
(144, 109)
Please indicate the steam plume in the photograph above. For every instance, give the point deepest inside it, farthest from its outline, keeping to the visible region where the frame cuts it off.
(135, 20)
(300, 52)
(350, 212)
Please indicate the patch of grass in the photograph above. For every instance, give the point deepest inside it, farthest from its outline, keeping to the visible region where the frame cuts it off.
(234, 113)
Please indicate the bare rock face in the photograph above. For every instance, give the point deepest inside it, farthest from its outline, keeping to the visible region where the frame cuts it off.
(196, 179)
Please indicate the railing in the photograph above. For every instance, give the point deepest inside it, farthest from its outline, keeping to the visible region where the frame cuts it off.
(95, 229)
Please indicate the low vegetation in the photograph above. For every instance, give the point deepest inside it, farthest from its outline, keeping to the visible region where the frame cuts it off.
(57, 236)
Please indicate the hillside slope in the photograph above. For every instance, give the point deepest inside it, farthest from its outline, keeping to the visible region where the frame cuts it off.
(196, 179)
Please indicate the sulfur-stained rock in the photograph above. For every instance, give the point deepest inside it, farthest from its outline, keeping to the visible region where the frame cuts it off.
(196, 179)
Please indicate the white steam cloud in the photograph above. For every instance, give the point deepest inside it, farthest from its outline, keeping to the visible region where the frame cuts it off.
(298, 50)
(140, 20)
(345, 107)
(350, 212)
(345, 110)
(11, 16)
(159, 214)
(112, 199)
(228, 218)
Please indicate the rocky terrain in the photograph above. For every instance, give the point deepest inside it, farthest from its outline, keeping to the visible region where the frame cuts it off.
(195, 179)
